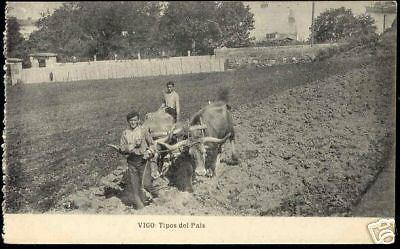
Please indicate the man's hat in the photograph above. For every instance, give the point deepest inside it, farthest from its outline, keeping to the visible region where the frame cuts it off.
(132, 114)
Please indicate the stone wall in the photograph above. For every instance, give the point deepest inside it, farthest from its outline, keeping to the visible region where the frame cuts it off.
(268, 56)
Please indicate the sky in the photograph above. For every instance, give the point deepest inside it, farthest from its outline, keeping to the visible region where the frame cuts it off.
(267, 20)
(24, 10)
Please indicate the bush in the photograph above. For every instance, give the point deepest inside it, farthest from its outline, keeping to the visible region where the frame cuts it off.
(363, 40)
(354, 43)
(328, 52)
(387, 45)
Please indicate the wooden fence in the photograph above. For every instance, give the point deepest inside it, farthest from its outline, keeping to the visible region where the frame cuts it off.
(122, 69)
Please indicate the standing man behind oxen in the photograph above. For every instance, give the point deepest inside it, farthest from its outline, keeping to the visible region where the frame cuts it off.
(171, 101)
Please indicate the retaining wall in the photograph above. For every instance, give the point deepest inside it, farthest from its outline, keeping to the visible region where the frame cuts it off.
(237, 57)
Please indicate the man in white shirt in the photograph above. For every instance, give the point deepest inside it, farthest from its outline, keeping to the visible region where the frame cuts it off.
(171, 101)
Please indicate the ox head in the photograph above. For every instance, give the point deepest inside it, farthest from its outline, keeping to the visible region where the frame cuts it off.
(196, 149)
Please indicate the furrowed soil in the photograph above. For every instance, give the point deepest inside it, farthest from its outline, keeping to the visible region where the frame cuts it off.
(311, 139)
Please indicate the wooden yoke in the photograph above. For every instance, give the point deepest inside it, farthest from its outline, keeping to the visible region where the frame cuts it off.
(176, 131)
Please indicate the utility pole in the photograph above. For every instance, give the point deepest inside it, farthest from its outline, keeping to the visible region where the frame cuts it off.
(384, 22)
(384, 18)
(312, 24)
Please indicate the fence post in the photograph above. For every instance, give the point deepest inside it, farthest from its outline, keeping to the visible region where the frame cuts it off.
(137, 69)
(134, 70)
(166, 71)
(200, 66)
(181, 65)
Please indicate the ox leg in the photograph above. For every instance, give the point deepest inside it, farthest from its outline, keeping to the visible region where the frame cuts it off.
(184, 178)
(189, 179)
(234, 157)
(181, 174)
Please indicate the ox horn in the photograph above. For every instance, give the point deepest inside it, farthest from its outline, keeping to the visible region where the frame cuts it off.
(173, 147)
(162, 140)
(191, 128)
(215, 140)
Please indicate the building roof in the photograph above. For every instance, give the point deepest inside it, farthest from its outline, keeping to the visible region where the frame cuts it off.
(13, 60)
(277, 36)
(43, 55)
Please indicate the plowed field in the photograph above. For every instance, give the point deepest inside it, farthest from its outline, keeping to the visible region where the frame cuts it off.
(311, 139)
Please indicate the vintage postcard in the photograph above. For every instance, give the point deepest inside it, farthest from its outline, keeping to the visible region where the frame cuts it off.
(207, 122)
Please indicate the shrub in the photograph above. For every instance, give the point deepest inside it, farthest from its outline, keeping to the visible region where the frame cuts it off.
(387, 46)
(363, 40)
(327, 52)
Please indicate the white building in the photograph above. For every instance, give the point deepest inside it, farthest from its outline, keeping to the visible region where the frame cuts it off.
(43, 59)
(273, 20)
(13, 70)
(384, 13)
(272, 16)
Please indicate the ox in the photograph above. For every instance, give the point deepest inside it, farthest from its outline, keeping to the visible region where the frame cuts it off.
(201, 150)
(186, 156)
(194, 148)
(180, 147)
(159, 123)
(217, 117)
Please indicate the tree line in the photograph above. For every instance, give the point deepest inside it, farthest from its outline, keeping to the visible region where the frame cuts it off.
(341, 24)
(153, 29)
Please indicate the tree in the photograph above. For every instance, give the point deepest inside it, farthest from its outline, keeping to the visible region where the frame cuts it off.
(85, 29)
(186, 26)
(363, 32)
(204, 25)
(138, 20)
(60, 32)
(340, 23)
(364, 25)
(235, 21)
(14, 38)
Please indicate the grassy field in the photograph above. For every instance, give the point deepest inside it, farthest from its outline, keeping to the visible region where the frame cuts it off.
(56, 133)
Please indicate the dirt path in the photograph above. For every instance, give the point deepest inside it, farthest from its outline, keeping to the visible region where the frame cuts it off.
(379, 200)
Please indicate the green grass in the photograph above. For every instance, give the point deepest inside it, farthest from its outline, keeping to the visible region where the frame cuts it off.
(57, 132)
